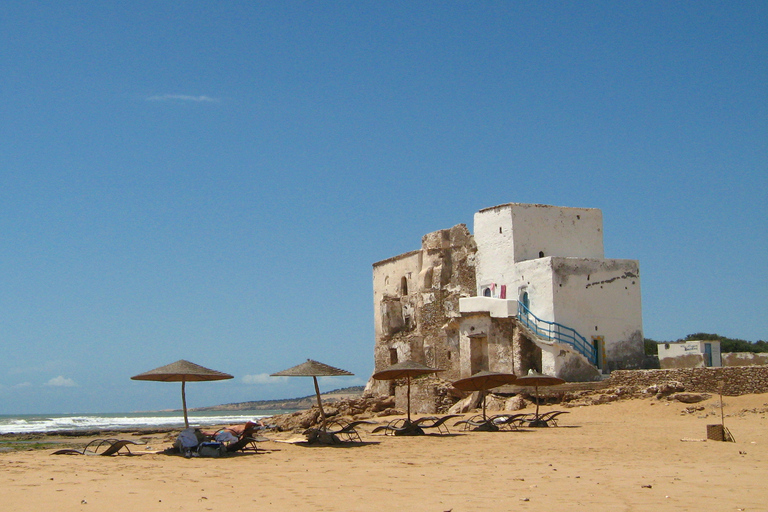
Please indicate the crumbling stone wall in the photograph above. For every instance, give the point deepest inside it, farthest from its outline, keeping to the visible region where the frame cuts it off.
(737, 380)
(417, 320)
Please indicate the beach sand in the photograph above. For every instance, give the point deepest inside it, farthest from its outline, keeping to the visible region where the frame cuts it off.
(631, 455)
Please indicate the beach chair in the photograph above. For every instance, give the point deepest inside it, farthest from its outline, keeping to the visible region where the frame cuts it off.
(347, 432)
(401, 427)
(475, 421)
(548, 419)
(509, 421)
(438, 423)
(103, 447)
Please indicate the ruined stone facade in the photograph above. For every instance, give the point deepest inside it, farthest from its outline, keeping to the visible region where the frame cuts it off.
(454, 303)
(416, 298)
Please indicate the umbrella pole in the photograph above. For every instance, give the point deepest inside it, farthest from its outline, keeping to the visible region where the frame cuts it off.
(484, 417)
(319, 404)
(184, 403)
(536, 387)
(408, 383)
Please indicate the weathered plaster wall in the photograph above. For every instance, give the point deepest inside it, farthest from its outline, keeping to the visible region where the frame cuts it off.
(744, 359)
(602, 298)
(739, 380)
(692, 360)
(688, 354)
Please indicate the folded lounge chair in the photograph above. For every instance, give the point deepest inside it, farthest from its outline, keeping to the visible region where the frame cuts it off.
(401, 427)
(438, 423)
(509, 421)
(477, 422)
(107, 447)
(347, 432)
(548, 419)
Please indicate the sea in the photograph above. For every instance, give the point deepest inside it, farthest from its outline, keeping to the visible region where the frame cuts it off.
(43, 423)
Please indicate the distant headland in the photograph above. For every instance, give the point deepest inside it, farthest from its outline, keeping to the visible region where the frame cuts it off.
(305, 402)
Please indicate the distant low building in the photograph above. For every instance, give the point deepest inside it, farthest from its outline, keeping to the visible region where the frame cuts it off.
(689, 354)
(530, 290)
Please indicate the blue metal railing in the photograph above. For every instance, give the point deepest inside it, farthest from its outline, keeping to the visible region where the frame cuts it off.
(556, 332)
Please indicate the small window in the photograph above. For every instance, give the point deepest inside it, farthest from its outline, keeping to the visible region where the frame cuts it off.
(541, 254)
(404, 286)
(487, 292)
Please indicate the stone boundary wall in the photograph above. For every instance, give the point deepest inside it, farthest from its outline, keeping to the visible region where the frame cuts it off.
(744, 358)
(738, 380)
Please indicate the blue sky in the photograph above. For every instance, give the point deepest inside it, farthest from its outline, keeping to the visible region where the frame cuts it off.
(213, 180)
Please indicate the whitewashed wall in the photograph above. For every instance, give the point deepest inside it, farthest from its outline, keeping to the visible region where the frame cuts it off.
(601, 298)
(572, 284)
(512, 233)
(679, 354)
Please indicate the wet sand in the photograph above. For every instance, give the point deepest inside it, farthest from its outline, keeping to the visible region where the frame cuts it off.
(638, 454)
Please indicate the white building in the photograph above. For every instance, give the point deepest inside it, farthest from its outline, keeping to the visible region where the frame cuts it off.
(690, 354)
(531, 289)
(551, 260)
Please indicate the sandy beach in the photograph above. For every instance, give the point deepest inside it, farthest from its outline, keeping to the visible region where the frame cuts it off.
(637, 454)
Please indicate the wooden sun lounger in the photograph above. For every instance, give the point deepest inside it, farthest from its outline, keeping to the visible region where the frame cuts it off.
(109, 446)
(548, 419)
(400, 426)
(438, 423)
(348, 432)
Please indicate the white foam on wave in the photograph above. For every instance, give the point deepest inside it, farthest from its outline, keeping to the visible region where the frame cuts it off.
(40, 424)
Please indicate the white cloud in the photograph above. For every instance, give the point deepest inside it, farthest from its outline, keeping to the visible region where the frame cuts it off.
(182, 97)
(61, 382)
(263, 378)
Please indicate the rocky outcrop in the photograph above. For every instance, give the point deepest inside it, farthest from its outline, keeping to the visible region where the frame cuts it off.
(350, 409)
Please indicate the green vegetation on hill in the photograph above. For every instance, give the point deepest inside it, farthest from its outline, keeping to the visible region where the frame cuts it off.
(726, 344)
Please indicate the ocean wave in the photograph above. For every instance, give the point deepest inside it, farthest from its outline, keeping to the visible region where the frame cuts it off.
(53, 423)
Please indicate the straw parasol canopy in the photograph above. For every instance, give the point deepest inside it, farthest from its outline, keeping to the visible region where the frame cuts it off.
(483, 381)
(182, 371)
(406, 369)
(313, 369)
(537, 379)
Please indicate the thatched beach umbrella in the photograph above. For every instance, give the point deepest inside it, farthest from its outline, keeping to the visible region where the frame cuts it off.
(406, 369)
(483, 381)
(182, 371)
(313, 369)
(537, 379)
